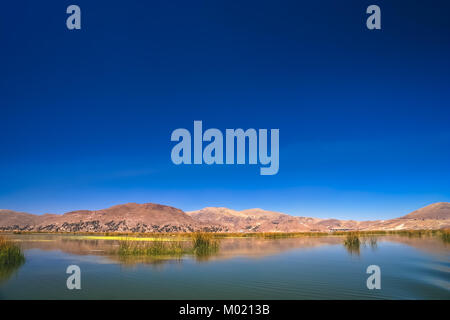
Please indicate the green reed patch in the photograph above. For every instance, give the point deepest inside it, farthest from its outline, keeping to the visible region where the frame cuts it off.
(201, 244)
(445, 235)
(10, 253)
(152, 248)
(352, 240)
(352, 243)
(11, 258)
(204, 244)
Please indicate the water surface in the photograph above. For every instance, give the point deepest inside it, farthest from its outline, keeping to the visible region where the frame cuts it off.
(244, 268)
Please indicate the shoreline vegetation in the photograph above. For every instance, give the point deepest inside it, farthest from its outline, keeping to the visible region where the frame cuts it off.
(10, 253)
(11, 258)
(201, 245)
(354, 240)
(185, 236)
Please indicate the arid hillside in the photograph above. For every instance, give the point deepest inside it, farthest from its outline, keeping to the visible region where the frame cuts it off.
(149, 217)
(436, 211)
(130, 217)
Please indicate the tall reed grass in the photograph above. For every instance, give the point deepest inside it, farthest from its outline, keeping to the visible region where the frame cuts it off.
(11, 258)
(204, 244)
(352, 239)
(445, 235)
(152, 248)
(10, 253)
(201, 244)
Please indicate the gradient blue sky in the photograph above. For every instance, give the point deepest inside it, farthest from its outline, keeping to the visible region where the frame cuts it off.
(86, 116)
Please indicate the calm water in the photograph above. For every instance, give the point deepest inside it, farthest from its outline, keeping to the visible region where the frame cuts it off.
(299, 268)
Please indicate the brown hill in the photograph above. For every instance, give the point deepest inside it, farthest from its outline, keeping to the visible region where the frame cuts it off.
(19, 219)
(437, 211)
(435, 216)
(149, 217)
(253, 220)
(130, 217)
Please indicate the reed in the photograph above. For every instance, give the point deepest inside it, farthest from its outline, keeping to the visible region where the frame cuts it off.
(352, 243)
(201, 244)
(445, 235)
(352, 239)
(204, 243)
(152, 248)
(11, 254)
(373, 242)
(178, 236)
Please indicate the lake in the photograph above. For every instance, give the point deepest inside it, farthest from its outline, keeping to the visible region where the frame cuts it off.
(244, 268)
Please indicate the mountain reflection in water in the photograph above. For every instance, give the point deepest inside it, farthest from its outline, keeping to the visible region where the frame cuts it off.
(229, 247)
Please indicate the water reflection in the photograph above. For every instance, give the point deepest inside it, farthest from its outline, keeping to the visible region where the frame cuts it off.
(445, 237)
(228, 248)
(315, 267)
(7, 271)
(372, 242)
(353, 249)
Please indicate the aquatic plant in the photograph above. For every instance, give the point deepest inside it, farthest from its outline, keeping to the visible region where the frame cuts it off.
(201, 244)
(152, 248)
(11, 258)
(352, 239)
(10, 253)
(372, 242)
(204, 244)
(352, 243)
(445, 235)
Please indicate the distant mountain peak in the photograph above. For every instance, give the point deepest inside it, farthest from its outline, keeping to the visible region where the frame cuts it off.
(438, 211)
(151, 217)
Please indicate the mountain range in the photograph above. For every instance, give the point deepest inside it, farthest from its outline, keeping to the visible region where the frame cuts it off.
(149, 217)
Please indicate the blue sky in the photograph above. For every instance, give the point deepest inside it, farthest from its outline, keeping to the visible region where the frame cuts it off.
(363, 115)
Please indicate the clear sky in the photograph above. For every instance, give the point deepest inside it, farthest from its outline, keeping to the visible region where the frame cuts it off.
(364, 116)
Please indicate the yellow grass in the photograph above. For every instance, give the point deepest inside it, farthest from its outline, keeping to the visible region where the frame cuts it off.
(127, 238)
(267, 235)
